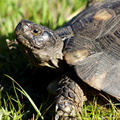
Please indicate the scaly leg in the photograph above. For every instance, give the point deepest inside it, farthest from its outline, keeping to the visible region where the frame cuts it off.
(69, 100)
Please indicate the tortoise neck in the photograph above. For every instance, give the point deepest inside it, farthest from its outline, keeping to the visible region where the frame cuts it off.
(65, 32)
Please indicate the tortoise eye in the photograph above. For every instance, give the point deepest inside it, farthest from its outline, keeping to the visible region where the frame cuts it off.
(36, 31)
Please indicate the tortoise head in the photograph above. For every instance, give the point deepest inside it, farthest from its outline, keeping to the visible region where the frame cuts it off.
(40, 45)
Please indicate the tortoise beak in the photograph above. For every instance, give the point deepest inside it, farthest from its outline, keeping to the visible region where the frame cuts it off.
(22, 26)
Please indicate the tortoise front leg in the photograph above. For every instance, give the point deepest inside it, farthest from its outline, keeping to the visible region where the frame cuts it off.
(69, 100)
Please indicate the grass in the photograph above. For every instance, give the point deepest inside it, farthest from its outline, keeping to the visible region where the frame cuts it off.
(34, 102)
(25, 94)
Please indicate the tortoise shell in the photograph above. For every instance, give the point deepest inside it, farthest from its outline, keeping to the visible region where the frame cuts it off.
(94, 50)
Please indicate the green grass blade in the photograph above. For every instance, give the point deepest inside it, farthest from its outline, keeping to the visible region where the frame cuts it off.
(29, 98)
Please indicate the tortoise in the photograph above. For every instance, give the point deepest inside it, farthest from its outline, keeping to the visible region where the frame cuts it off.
(89, 44)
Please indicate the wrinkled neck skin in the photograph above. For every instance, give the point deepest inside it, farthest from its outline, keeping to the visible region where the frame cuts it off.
(65, 33)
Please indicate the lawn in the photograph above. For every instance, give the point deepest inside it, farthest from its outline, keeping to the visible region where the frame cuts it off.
(23, 94)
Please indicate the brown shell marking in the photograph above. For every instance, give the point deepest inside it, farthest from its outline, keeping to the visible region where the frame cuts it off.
(102, 15)
(97, 81)
(73, 57)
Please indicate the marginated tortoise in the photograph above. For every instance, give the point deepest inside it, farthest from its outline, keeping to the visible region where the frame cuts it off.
(89, 44)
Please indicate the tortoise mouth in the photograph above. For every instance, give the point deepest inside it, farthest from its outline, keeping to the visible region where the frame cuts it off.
(23, 41)
(20, 30)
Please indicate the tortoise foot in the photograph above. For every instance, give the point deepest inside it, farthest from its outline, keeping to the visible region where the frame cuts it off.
(69, 100)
